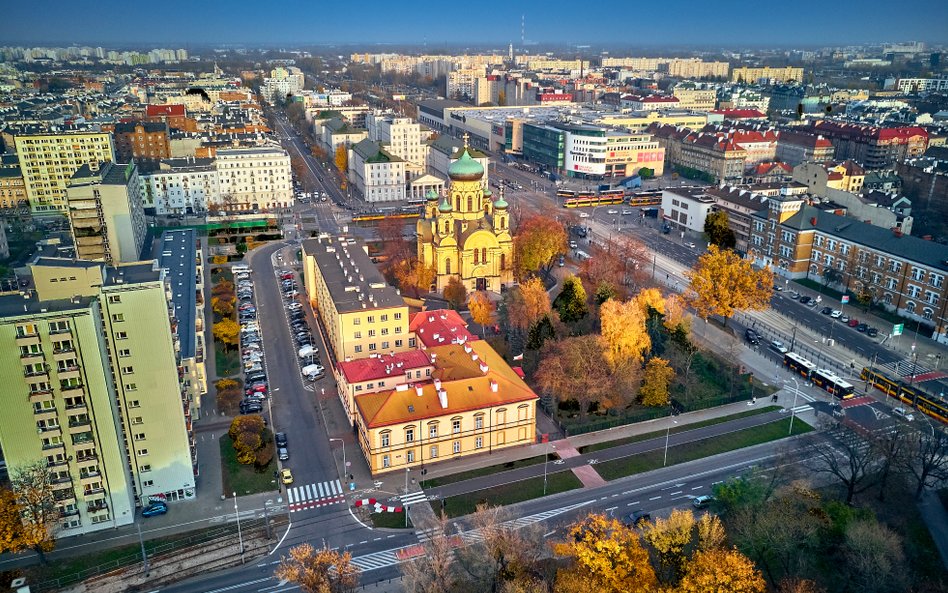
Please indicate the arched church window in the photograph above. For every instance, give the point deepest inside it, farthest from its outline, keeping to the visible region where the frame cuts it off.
(483, 255)
(447, 266)
(503, 261)
(470, 203)
(475, 257)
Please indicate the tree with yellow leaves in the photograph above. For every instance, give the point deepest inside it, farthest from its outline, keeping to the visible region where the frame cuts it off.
(482, 309)
(318, 571)
(606, 556)
(721, 571)
(677, 318)
(539, 240)
(227, 332)
(624, 333)
(528, 304)
(454, 292)
(414, 275)
(574, 369)
(34, 504)
(655, 382)
(223, 306)
(722, 283)
(342, 159)
(651, 301)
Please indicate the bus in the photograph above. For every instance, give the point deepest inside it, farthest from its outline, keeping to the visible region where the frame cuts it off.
(832, 384)
(798, 364)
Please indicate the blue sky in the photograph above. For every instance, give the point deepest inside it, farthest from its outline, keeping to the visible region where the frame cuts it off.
(675, 23)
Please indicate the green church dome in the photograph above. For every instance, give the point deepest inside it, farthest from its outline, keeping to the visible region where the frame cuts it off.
(432, 195)
(501, 203)
(465, 168)
(445, 205)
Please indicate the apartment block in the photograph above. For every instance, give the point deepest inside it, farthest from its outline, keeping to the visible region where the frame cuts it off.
(462, 83)
(360, 312)
(48, 161)
(281, 83)
(695, 99)
(254, 179)
(181, 186)
(13, 191)
(873, 147)
(401, 137)
(145, 143)
(105, 212)
(181, 257)
(92, 391)
(337, 132)
(794, 147)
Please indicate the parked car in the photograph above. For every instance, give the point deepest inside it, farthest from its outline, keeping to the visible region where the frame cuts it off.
(843, 318)
(872, 332)
(903, 414)
(794, 295)
(251, 407)
(283, 453)
(862, 327)
(286, 476)
(804, 300)
(826, 310)
(690, 244)
(155, 509)
(778, 346)
(836, 314)
(853, 322)
(639, 518)
(280, 439)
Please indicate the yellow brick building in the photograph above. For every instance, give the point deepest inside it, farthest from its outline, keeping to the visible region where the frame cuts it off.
(467, 235)
(749, 75)
(473, 403)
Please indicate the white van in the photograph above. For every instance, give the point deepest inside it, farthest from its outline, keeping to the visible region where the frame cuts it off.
(307, 351)
(313, 371)
(903, 414)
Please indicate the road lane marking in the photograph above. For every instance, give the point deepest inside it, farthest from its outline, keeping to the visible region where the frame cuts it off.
(655, 498)
(697, 487)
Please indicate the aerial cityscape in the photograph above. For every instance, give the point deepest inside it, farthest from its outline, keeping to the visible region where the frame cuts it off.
(507, 299)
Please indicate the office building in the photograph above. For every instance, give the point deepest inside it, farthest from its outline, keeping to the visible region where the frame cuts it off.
(49, 160)
(92, 391)
(105, 212)
(401, 137)
(360, 312)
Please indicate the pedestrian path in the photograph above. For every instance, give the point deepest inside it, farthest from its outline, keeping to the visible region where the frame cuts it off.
(311, 496)
(413, 498)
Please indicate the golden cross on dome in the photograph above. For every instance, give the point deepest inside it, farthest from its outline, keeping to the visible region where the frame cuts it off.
(466, 136)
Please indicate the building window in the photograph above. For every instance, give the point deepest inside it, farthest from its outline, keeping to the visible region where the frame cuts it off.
(134, 404)
(398, 316)
(479, 422)
(383, 318)
(125, 353)
(146, 468)
(358, 348)
(118, 317)
(409, 435)
(478, 442)
(140, 436)
(128, 370)
(398, 343)
(372, 346)
(456, 426)
(433, 431)
(386, 462)
(385, 439)
(434, 451)
(412, 342)
(457, 447)
(115, 299)
(121, 335)
(143, 452)
(371, 319)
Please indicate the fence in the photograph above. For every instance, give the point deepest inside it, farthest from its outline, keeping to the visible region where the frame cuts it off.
(152, 548)
(612, 422)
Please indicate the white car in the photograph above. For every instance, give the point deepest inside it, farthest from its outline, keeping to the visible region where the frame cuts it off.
(836, 313)
(584, 214)
(778, 346)
(626, 212)
(612, 211)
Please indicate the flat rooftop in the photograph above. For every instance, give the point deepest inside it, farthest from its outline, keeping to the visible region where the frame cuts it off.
(176, 254)
(353, 281)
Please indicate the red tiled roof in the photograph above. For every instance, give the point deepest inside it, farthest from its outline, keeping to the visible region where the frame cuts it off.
(765, 168)
(168, 110)
(384, 365)
(446, 324)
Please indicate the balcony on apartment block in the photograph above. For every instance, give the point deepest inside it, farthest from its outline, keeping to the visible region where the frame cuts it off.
(64, 354)
(32, 358)
(69, 372)
(28, 340)
(72, 390)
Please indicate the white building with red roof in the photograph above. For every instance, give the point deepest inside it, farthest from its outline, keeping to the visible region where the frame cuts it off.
(438, 328)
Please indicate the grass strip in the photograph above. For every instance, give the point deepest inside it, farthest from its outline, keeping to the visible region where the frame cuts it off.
(674, 430)
(506, 494)
(390, 520)
(484, 471)
(748, 437)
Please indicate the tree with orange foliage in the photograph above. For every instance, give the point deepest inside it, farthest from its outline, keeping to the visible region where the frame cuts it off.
(482, 309)
(527, 304)
(539, 240)
(34, 504)
(455, 293)
(575, 369)
(656, 382)
(341, 159)
(412, 274)
(318, 571)
(605, 556)
(223, 306)
(722, 283)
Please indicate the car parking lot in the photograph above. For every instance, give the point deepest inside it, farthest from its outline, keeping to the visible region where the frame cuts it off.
(251, 344)
(311, 367)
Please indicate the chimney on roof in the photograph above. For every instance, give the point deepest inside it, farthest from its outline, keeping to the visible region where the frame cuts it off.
(493, 385)
(419, 390)
(484, 367)
(443, 399)
(437, 384)
(813, 221)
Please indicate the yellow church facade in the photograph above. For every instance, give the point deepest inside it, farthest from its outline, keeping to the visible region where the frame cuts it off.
(466, 234)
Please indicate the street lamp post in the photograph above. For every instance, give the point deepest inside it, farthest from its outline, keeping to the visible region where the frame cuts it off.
(793, 413)
(667, 434)
(240, 537)
(407, 471)
(144, 553)
(546, 459)
(345, 466)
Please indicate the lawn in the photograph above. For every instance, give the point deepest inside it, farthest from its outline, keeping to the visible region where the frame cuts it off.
(619, 468)
(507, 494)
(675, 429)
(244, 479)
(226, 362)
(485, 471)
(390, 520)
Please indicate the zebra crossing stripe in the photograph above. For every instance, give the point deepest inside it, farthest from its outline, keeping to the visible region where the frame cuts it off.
(311, 496)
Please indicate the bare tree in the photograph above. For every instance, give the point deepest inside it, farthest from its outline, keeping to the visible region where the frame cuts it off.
(875, 560)
(890, 446)
(926, 460)
(844, 455)
(36, 500)
(433, 571)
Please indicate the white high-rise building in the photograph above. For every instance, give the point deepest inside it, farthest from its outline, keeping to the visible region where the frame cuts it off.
(401, 137)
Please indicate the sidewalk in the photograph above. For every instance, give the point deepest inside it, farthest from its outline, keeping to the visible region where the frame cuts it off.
(936, 518)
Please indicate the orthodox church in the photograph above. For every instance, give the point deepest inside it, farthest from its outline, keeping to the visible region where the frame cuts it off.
(466, 233)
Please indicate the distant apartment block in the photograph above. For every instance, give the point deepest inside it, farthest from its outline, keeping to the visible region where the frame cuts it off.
(105, 212)
(401, 137)
(48, 161)
(695, 99)
(90, 370)
(377, 174)
(795, 147)
(13, 197)
(873, 147)
(281, 83)
(181, 186)
(749, 75)
(922, 85)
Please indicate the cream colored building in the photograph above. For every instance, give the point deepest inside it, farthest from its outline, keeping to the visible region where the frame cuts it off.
(467, 235)
(257, 179)
(402, 137)
(376, 173)
(751, 75)
(360, 312)
(638, 122)
(473, 403)
(463, 82)
(92, 391)
(694, 99)
(106, 214)
(49, 160)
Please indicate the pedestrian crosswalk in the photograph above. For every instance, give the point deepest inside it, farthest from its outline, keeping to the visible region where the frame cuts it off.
(413, 498)
(311, 496)
(375, 561)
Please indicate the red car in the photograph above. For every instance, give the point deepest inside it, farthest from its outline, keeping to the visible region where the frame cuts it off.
(853, 322)
(286, 276)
